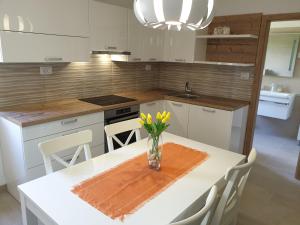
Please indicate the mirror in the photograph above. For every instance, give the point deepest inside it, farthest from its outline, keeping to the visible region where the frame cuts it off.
(283, 48)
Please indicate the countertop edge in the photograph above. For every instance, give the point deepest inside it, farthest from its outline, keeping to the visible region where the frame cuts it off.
(162, 96)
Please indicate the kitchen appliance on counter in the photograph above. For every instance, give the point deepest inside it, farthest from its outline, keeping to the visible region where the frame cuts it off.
(116, 115)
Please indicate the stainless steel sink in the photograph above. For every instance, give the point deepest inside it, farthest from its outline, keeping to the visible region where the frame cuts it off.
(188, 96)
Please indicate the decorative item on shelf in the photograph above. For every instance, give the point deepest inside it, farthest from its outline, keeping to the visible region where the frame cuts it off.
(174, 15)
(222, 30)
(155, 130)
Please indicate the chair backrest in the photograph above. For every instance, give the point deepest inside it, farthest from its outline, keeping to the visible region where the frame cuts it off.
(50, 148)
(113, 129)
(236, 178)
(203, 216)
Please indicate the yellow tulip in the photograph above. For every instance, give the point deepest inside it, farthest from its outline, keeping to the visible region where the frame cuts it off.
(167, 117)
(158, 116)
(143, 116)
(149, 119)
(142, 122)
(164, 114)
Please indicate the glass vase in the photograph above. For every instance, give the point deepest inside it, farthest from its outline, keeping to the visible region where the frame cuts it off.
(154, 153)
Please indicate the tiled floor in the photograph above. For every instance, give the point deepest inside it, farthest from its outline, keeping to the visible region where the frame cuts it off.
(272, 195)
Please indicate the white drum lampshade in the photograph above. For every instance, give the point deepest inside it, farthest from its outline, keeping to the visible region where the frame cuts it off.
(174, 14)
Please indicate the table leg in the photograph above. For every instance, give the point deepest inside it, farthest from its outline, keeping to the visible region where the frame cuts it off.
(28, 218)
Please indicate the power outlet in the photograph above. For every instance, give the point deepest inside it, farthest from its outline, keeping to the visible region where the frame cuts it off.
(46, 70)
(245, 75)
(148, 67)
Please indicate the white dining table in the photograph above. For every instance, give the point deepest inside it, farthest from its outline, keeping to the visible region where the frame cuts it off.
(49, 199)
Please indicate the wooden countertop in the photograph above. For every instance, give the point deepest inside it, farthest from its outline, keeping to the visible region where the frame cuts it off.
(50, 111)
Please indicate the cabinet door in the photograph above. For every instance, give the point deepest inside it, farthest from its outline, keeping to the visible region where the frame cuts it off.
(63, 17)
(18, 47)
(153, 45)
(179, 117)
(210, 126)
(135, 38)
(152, 108)
(108, 27)
(179, 46)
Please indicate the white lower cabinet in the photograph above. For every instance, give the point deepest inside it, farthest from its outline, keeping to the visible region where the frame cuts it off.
(219, 128)
(210, 126)
(22, 160)
(152, 108)
(179, 117)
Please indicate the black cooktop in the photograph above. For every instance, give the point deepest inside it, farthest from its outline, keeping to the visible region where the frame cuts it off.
(107, 100)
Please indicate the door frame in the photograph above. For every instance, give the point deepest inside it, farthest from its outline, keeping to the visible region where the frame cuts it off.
(260, 62)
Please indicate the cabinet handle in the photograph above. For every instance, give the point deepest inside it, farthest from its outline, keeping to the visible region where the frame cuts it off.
(137, 59)
(53, 59)
(111, 48)
(180, 60)
(209, 110)
(177, 104)
(66, 122)
(152, 59)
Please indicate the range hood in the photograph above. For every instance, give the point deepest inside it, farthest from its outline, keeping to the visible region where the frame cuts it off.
(111, 52)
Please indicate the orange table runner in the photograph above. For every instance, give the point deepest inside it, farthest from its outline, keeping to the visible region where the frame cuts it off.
(122, 190)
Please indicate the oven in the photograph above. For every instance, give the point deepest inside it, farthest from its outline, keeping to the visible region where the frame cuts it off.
(119, 115)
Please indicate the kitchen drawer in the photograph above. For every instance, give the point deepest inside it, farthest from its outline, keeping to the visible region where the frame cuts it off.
(33, 156)
(39, 171)
(58, 126)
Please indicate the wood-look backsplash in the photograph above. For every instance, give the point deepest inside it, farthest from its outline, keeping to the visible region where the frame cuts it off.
(220, 81)
(22, 83)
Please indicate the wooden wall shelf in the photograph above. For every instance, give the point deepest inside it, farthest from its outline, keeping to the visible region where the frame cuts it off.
(225, 63)
(237, 36)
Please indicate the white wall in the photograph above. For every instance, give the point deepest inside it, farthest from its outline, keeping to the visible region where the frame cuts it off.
(231, 7)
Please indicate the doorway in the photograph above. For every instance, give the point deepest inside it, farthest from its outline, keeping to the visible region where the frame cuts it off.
(272, 195)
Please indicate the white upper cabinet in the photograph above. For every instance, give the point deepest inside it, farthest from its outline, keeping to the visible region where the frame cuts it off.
(153, 45)
(61, 17)
(135, 38)
(179, 46)
(18, 47)
(108, 27)
(145, 44)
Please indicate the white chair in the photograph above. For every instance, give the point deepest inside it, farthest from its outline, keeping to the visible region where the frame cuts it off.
(236, 178)
(203, 216)
(50, 148)
(113, 129)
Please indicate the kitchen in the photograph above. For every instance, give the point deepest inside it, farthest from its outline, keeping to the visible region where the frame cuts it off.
(53, 68)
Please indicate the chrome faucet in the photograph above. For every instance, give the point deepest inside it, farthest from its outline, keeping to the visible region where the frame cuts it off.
(188, 89)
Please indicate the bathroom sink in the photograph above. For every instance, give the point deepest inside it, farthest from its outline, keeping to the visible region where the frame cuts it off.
(277, 105)
(275, 94)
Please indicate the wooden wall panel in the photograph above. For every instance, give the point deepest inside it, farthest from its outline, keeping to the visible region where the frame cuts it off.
(234, 50)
